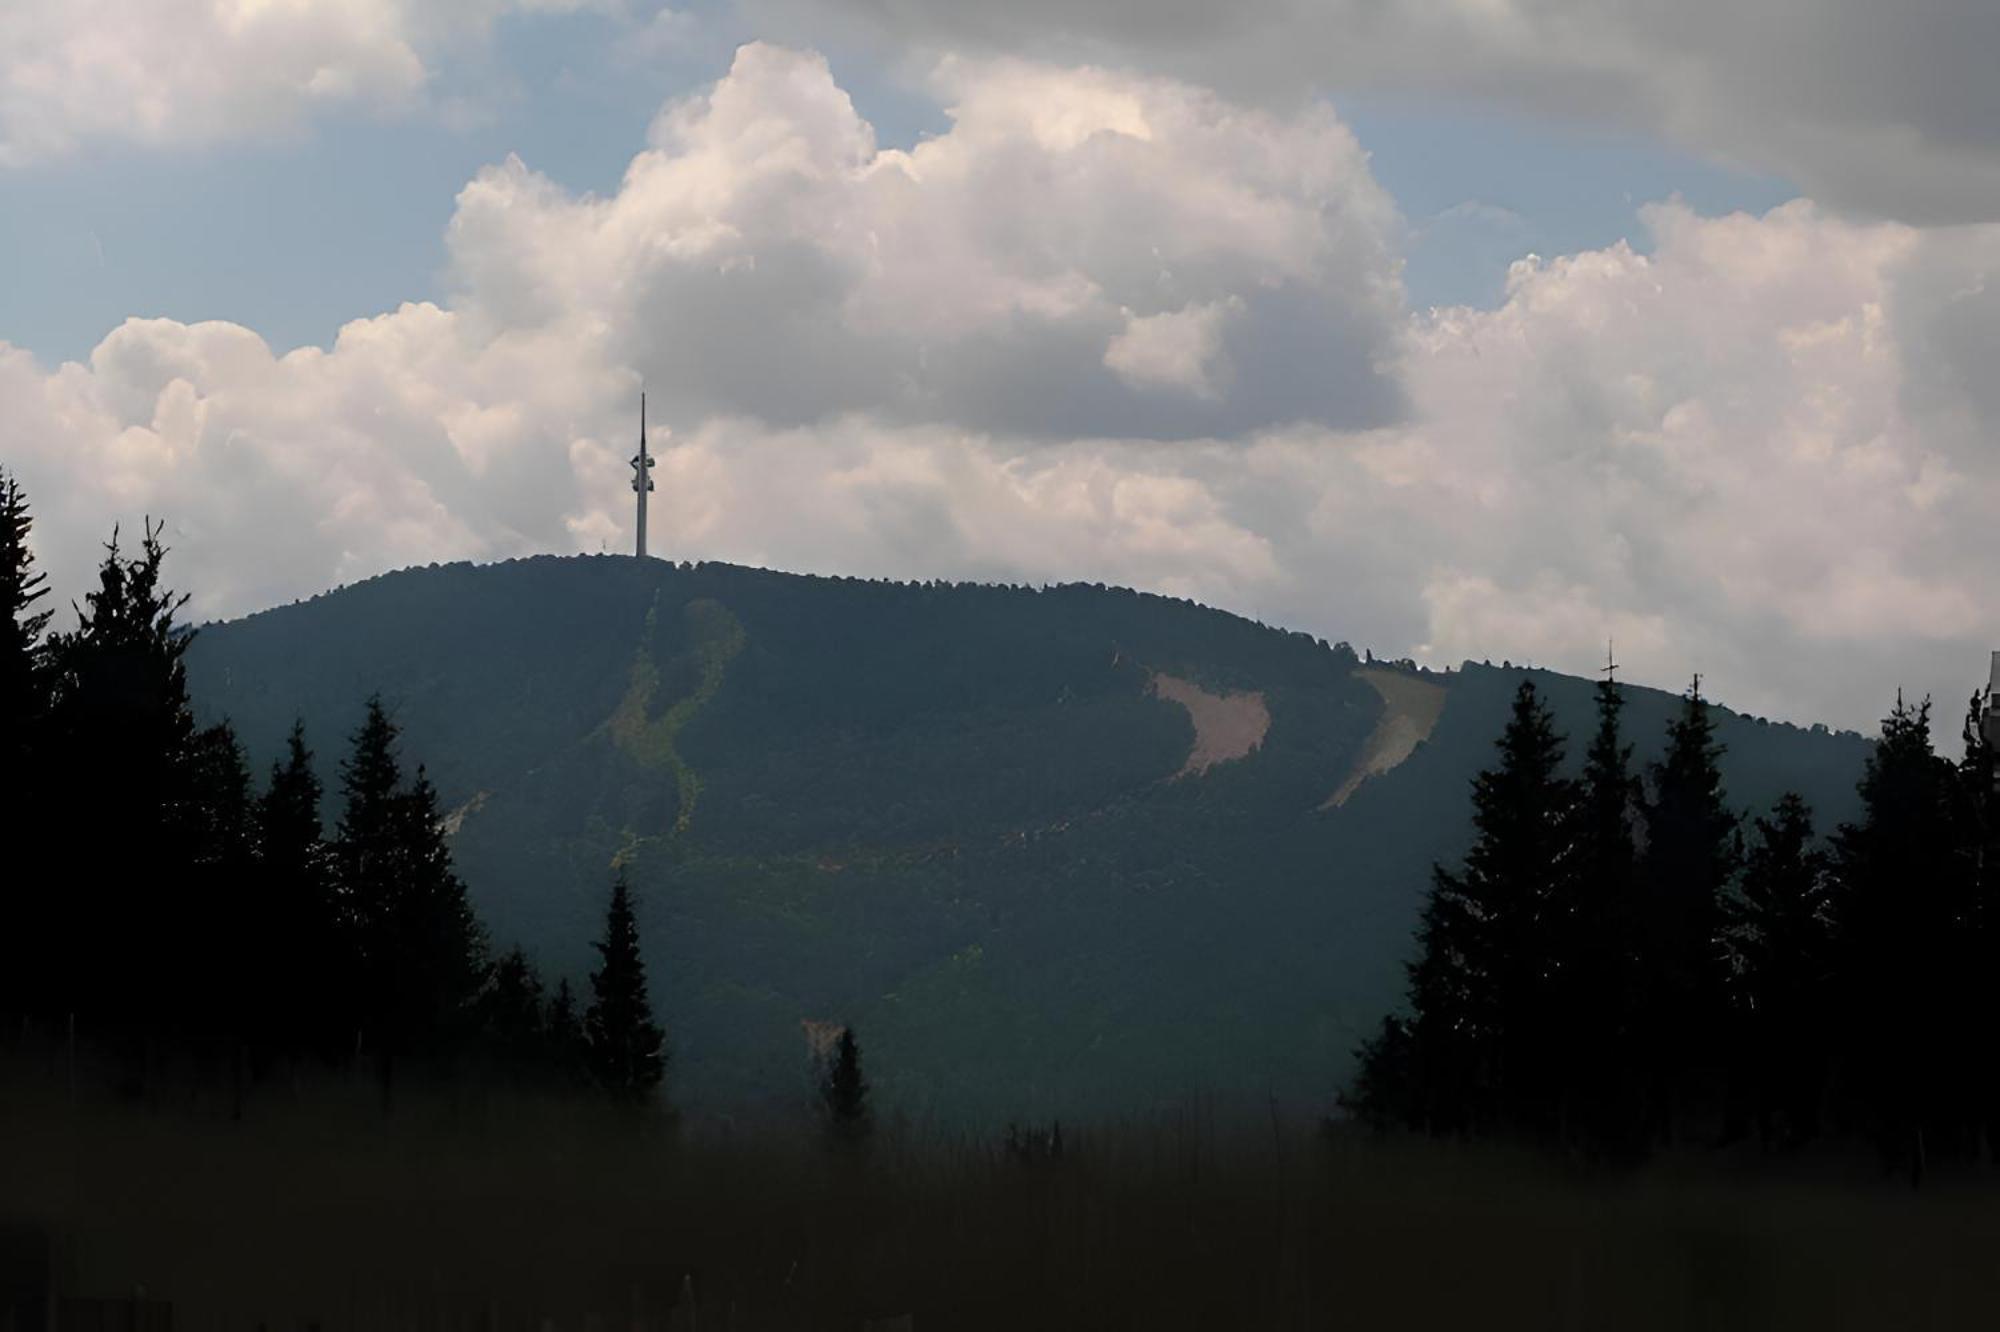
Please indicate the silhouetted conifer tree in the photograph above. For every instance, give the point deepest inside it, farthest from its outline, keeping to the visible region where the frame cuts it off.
(1898, 897)
(1476, 1052)
(420, 950)
(627, 1047)
(309, 971)
(24, 706)
(843, 1092)
(1590, 938)
(223, 965)
(516, 1017)
(1691, 849)
(568, 1044)
(1778, 933)
(122, 741)
(1977, 959)
(24, 684)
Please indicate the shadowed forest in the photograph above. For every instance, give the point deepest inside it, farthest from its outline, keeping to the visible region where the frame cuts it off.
(1659, 1064)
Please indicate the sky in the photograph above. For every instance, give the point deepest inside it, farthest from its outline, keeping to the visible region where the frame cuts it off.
(1455, 329)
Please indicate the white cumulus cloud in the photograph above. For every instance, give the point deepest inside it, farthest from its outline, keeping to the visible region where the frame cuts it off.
(179, 72)
(1887, 108)
(1108, 328)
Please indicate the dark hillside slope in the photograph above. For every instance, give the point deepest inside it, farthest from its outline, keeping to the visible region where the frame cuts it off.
(1057, 851)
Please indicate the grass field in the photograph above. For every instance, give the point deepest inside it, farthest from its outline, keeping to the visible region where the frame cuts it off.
(323, 1207)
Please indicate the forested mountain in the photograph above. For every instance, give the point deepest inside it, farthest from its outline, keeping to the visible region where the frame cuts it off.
(1055, 851)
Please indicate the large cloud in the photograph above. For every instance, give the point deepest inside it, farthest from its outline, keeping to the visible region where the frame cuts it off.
(1886, 108)
(1759, 452)
(1081, 254)
(863, 350)
(1034, 348)
(192, 71)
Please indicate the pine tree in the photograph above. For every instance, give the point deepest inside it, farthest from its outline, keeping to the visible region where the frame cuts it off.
(1589, 929)
(1478, 1050)
(222, 966)
(24, 684)
(627, 1047)
(122, 741)
(1976, 962)
(568, 1046)
(24, 705)
(843, 1092)
(1899, 898)
(368, 874)
(308, 967)
(515, 1016)
(1778, 932)
(438, 926)
(420, 951)
(1682, 1000)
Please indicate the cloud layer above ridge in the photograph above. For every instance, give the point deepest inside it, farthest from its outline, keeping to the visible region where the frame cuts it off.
(1884, 109)
(1118, 328)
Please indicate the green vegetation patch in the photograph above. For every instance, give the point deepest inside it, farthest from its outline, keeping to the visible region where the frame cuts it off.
(715, 638)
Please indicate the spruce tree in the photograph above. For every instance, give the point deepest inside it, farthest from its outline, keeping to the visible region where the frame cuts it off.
(24, 683)
(122, 739)
(627, 1047)
(1477, 1051)
(1691, 850)
(1899, 899)
(843, 1092)
(439, 926)
(568, 1046)
(515, 1017)
(419, 948)
(1778, 933)
(308, 963)
(24, 706)
(223, 965)
(1976, 960)
(1589, 929)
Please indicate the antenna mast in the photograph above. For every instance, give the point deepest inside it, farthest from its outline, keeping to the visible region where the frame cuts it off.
(642, 477)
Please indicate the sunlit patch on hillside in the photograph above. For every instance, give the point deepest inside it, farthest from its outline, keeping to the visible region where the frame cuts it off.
(1411, 706)
(457, 817)
(1226, 726)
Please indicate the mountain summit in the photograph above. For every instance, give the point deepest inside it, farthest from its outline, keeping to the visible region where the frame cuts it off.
(1056, 850)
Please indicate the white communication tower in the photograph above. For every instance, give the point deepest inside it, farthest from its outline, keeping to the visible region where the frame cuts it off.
(642, 478)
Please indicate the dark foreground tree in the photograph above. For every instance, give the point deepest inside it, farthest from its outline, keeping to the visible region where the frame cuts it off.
(122, 756)
(1590, 943)
(420, 951)
(309, 972)
(532, 1038)
(1900, 906)
(1976, 960)
(1681, 1002)
(226, 955)
(568, 1044)
(627, 1047)
(515, 1016)
(843, 1092)
(24, 704)
(1476, 1052)
(1778, 932)
(23, 661)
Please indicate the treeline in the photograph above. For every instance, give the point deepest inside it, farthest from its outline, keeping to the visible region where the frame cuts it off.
(158, 900)
(1624, 963)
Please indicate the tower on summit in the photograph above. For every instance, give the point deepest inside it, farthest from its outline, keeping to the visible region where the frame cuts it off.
(642, 478)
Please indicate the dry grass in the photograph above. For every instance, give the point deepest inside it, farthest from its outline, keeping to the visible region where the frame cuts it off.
(449, 1210)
